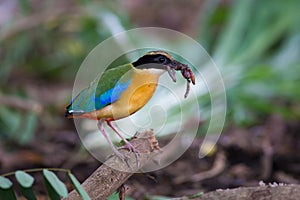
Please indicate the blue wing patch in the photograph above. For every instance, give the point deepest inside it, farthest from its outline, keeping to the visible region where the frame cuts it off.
(102, 91)
(111, 95)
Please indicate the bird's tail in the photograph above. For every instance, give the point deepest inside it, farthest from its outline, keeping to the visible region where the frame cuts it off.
(70, 113)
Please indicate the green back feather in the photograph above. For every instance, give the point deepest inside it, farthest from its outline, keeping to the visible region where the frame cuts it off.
(110, 78)
(86, 100)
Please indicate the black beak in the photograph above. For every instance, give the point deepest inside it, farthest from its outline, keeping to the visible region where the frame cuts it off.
(171, 72)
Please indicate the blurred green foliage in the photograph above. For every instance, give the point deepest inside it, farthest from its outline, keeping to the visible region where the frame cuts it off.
(260, 47)
(47, 47)
(255, 43)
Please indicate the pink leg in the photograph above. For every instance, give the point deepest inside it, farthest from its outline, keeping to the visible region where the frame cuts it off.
(101, 128)
(128, 145)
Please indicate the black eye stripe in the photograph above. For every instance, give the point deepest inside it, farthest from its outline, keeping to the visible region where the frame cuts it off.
(148, 59)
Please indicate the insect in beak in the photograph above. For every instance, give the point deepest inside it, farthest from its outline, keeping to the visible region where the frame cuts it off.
(186, 72)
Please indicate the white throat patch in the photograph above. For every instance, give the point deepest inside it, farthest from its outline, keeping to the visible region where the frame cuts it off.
(155, 71)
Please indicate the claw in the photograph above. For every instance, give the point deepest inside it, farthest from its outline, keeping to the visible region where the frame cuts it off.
(128, 145)
(117, 153)
(131, 148)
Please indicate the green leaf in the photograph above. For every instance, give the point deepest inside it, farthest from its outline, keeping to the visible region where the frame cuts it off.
(5, 183)
(6, 191)
(26, 182)
(51, 192)
(24, 179)
(78, 187)
(28, 193)
(157, 198)
(29, 125)
(238, 22)
(7, 194)
(199, 194)
(115, 196)
(9, 121)
(58, 186)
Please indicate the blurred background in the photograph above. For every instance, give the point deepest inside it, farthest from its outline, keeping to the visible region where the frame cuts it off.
(256, 45)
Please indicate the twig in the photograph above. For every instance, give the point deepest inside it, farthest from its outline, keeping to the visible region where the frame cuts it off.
(114, 172)
(217, 168)
(267, 157)
(122, 192)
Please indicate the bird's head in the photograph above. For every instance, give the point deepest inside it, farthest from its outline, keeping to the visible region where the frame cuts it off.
(159, 62)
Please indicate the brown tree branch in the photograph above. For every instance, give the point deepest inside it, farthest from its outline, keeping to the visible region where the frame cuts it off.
(114, 172)
(275, 191)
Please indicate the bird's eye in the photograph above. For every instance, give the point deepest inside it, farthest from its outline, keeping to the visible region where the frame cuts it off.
(161, 59)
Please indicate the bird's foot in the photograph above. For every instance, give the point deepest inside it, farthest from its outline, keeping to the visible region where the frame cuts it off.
(118, 154)
(131, 148)
(122, 157)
